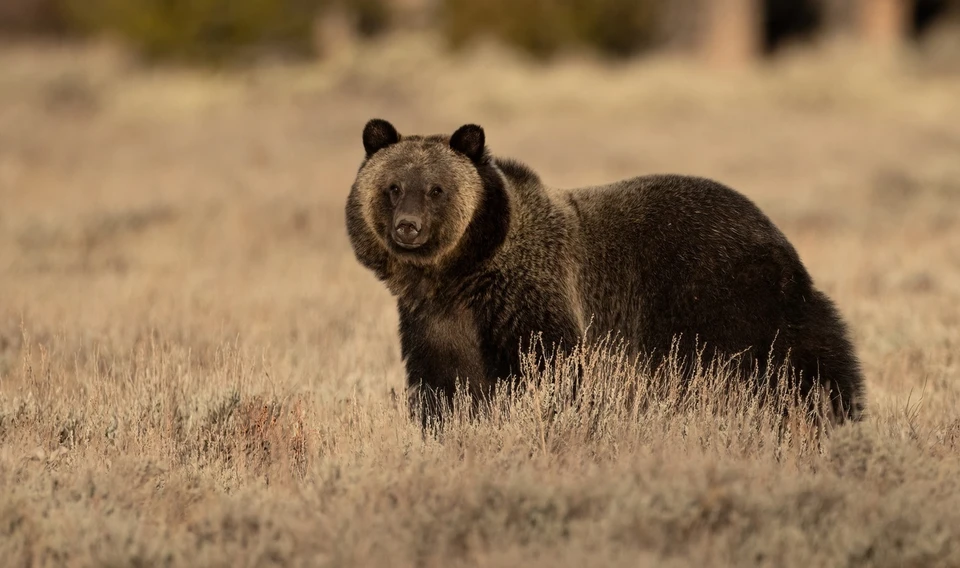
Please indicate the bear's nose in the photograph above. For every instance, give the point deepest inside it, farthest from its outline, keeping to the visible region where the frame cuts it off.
(408, 228)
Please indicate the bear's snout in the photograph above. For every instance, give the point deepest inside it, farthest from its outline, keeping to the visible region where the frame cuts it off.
(407, 230)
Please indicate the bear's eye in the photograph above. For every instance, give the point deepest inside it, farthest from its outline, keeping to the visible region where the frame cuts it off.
(436, 191)
(394, 190)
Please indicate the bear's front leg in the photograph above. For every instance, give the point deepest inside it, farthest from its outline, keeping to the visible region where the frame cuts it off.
(441, 351)
(543, 328)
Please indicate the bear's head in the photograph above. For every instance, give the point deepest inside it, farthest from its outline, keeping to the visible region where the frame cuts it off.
(419, 194)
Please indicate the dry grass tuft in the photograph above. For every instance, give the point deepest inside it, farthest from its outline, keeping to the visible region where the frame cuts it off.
(624, 403)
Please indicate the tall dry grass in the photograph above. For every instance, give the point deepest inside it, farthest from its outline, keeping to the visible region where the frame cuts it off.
(195, 371)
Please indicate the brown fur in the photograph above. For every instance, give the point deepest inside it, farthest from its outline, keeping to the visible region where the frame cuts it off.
(420, 154)
(654, 259)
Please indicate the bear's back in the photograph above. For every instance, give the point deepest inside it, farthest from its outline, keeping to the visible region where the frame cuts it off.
(678, 214)
(663, 254)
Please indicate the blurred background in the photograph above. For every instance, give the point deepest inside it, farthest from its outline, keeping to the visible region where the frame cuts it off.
(723, 31)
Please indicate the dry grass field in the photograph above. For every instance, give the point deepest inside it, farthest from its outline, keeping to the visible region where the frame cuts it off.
(195, 371)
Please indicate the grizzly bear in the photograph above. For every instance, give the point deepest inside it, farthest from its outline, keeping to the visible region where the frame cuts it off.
(482, 257)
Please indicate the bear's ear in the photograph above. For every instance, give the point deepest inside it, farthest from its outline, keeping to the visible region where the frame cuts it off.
(469, 141)
(378, 134)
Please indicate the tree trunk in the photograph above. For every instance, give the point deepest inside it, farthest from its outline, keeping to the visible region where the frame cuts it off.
(732, 35)
(883, 23)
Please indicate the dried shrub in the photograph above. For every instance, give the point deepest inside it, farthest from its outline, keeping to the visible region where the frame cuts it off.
(217, 30)
(30, 17)
(256, 433)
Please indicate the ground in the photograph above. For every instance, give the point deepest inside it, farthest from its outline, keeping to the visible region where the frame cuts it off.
(194, 369)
